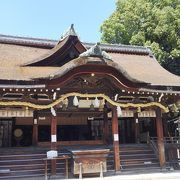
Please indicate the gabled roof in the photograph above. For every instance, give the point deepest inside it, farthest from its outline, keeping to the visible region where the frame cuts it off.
(69, 47)
(21, 56)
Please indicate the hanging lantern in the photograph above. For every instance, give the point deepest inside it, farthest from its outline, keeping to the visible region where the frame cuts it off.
(75, 101)
(116, 97)
(119, 111)
(96, 102)
(54, 95)
(53, 112)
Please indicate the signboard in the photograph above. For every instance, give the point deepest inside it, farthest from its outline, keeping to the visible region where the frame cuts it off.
(16, 113)
(116, 137)
(51, 154)
(147, 114)
(53, 138)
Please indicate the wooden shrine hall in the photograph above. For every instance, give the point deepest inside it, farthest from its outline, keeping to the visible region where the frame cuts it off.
(106, 107)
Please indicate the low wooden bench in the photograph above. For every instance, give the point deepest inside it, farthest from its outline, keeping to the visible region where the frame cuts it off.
(63, 157)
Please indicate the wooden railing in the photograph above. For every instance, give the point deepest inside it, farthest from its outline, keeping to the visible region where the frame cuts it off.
(172, 144)
(153, 144)
(167, 140)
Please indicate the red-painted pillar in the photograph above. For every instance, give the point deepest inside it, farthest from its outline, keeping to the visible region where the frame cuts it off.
(160, 138)
(35, 128)
(53, 132)
(115, 135)
(106, 127)
(137, 133)
(53, 142)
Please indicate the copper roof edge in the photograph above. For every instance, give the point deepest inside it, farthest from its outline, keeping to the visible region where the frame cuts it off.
(49, 43)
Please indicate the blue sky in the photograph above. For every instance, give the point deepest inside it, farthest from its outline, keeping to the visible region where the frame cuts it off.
(50, 18)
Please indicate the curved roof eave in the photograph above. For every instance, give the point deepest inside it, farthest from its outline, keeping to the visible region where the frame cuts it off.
(58, 50)
(82, 65)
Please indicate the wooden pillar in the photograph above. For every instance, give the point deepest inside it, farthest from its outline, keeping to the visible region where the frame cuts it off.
(53, 142)
(137, 133)
(35, 128)
(106, 127)
(115, 135)
(160, 138)
(53, 132)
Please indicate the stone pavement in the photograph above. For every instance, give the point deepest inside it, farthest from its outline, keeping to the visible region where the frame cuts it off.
(175, 175)
(170, 175)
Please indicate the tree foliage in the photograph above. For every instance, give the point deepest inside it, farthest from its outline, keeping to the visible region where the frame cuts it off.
(154, 23)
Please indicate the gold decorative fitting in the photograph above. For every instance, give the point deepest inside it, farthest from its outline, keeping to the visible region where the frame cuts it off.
(65, 96)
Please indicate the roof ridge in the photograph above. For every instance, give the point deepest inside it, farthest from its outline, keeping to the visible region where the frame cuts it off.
(50, 43)
(117, 45)
(26, 37)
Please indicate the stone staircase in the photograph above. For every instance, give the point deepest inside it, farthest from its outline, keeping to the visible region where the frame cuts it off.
(135, 157)
(16, 164)
(28, 162)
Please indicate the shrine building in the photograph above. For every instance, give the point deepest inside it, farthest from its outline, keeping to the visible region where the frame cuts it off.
(104, 108)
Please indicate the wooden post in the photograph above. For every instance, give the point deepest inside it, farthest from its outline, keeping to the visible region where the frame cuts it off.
(35, 128)
(53, 132)
(137, 133)
(115, 135)
(105, 128)
(53, 142)
(160, 138)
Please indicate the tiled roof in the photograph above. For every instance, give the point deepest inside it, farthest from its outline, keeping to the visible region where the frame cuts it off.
(47, 43)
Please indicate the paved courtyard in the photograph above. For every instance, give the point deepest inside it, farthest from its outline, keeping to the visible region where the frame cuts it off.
(147, 176)
(170, 175)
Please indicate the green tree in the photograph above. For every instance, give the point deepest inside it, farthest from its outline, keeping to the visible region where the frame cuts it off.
(154, 23)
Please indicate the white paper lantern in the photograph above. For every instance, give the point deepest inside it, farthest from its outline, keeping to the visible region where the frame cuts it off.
(54, 95)
(119, 111)
(96, 102)
(53, 111)
(75, 101)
